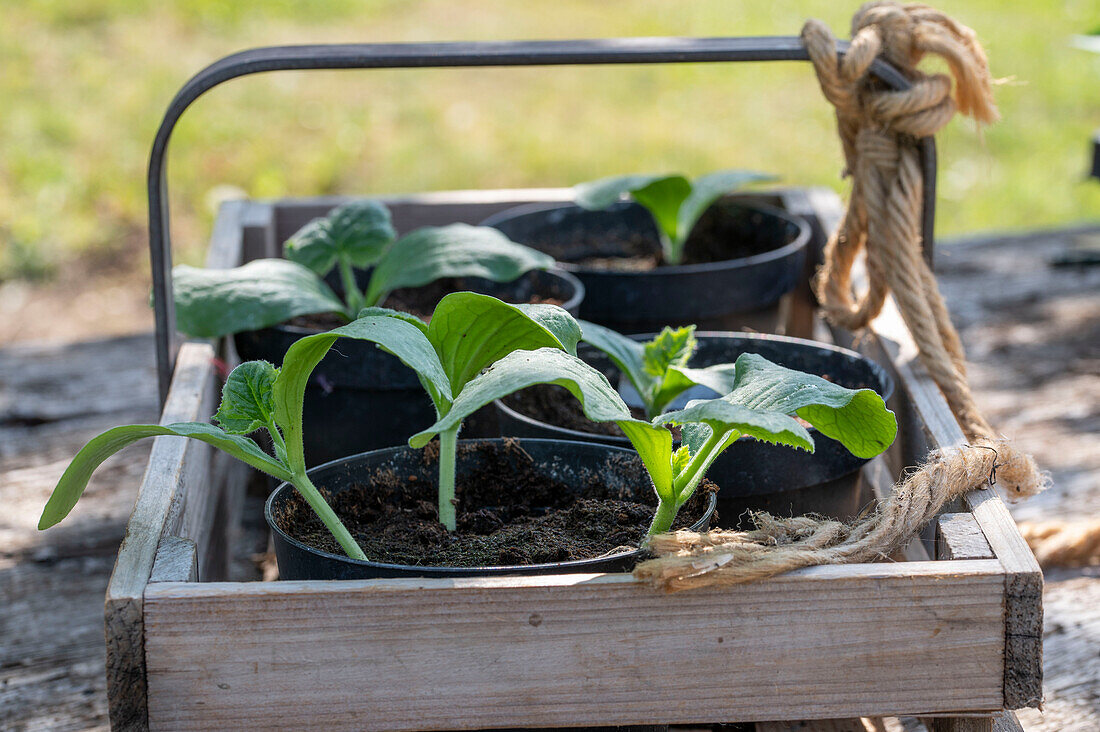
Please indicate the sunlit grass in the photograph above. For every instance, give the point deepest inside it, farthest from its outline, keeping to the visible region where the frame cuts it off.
(84, 86)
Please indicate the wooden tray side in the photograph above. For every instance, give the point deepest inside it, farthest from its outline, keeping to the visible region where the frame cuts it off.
(823, 642)
(180, 497)
(926, 424)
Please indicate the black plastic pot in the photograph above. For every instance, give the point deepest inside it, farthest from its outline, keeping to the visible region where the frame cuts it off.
(567, 461)
(752, 474)
(362, 398)
(729, 295)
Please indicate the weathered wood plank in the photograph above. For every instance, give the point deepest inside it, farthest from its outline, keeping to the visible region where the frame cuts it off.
(175, 561)
(415, 210)
(553, 650)
(931, 419)
(175, 464)
(958, 536)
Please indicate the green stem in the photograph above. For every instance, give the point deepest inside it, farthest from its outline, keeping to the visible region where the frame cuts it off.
(278, 442)
(328, 517)
(663, 518)
(448, 447)
(353, 296)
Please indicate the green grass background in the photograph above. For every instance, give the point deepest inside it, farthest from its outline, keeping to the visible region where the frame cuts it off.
(83, 85)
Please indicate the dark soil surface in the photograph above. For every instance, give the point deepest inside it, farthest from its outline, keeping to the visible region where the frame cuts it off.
(555, 405)
(506, 516)
(724, 232)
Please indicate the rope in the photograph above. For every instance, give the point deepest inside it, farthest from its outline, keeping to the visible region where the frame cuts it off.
(879, 130)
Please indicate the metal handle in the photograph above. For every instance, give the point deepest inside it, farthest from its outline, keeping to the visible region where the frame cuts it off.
(446, 55)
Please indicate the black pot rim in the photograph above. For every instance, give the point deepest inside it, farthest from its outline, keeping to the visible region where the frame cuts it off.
(571, 304)
(799, 242)
(712, 503)
(573, 435)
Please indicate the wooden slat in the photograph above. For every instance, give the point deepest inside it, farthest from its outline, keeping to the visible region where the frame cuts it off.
(958, 536)
(175, 466)
(175, 561)
(538, 651)
(176, 498)
(931, 422)
(415, 210)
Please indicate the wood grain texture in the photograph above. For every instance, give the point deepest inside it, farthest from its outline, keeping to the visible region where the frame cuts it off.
(958, 536)
(174, 464)
(930, 422)
(468, 654)
(175, 561)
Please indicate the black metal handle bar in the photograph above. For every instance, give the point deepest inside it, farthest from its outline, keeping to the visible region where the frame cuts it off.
(448, 55)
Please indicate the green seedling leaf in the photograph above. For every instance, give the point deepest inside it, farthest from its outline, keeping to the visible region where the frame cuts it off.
(675, 203)
(669, 348)
(657, 369)
(76, 476)
(723, 416)
(520, 369)
(248, 402)
(211, 303)
(857, 418)
(470, 332)
(356, 233)
(597, 195)
(707, 189)
(458, 250)
(395, 332)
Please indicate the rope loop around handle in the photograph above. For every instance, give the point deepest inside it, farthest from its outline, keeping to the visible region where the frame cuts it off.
(877, 129)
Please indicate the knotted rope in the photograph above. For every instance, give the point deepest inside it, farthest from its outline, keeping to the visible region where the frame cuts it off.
(879, 131)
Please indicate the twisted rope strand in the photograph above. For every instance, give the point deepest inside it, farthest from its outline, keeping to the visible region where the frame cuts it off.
(879, 131)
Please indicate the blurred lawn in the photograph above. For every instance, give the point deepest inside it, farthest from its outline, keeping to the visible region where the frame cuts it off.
(84, 85)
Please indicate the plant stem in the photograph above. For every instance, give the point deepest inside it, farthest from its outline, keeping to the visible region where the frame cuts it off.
(448, 447)
(328, 517)
(663, 518)
(278, 442)
(353, 296)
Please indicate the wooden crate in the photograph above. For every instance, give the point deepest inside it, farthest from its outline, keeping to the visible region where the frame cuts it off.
(957, 637)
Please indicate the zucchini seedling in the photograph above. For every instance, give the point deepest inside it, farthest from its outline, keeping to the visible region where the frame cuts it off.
(468, 334)
(211, 303)
(658, 369)
(674, 202)
(762, 402)
(477, 349)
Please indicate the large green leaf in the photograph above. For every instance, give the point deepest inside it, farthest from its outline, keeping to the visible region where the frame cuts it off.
(470, 332)
(663, 198)
(723, 416)
(457, 250)
(661, 195)
(389, 329)
(707, 189)
(627, 354)
(248, 402)
(520, 369)
(211, 303)
(76, 476)
(357, 233)
(858, 419)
